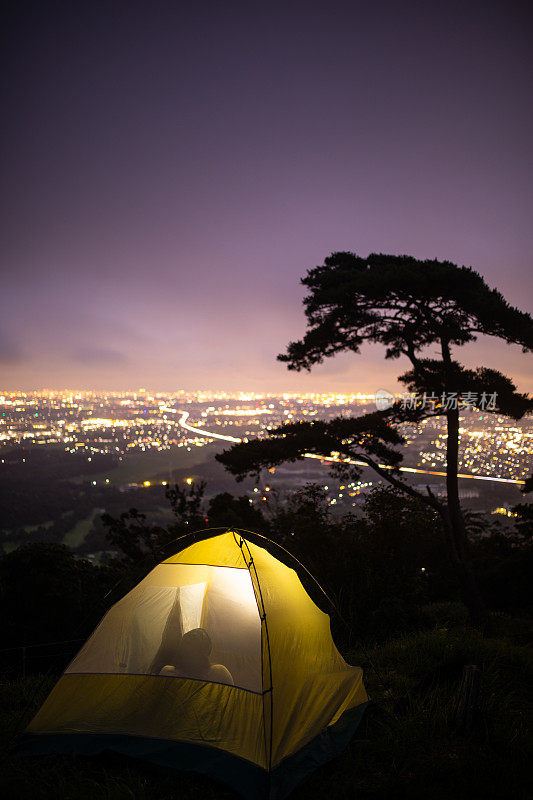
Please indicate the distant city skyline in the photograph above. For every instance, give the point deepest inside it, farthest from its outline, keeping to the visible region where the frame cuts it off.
(171, 172)
(493, 448)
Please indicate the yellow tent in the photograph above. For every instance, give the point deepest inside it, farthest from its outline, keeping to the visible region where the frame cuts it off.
(218, 662)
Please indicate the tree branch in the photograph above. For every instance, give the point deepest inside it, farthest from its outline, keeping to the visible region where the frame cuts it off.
(404, 487)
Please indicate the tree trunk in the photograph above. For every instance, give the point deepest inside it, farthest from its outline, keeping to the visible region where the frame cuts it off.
(457, 530)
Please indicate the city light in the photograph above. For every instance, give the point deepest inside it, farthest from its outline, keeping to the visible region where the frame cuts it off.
(122, 424)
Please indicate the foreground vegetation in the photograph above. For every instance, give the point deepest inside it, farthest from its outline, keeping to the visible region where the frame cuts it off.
(409, 746)
(402, 620)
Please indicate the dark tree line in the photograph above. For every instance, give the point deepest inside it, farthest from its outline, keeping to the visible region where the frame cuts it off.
(387, 571)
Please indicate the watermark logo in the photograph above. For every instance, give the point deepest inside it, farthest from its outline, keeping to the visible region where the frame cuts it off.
(451, 401)
(384, 400)
(447, 401)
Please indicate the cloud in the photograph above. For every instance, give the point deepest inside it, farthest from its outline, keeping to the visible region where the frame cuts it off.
(93, 354)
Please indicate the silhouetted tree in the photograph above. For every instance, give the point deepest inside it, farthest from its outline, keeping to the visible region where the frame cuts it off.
(225, 509)
(48, 594)
(408, 306)
(524, 523)
(145, 544)
(186, 504)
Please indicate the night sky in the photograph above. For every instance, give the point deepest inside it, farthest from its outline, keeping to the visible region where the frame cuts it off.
(171, 170)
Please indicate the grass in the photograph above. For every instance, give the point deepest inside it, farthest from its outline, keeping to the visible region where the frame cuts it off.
(408, 746)
(413, 747)
(77, 534)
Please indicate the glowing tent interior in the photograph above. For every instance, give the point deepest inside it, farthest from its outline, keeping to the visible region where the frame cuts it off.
(219, 662)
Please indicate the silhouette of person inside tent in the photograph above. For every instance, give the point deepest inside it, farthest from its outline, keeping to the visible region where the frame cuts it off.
(194, 660)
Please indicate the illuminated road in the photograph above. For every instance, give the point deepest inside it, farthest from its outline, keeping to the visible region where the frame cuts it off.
(202, 432)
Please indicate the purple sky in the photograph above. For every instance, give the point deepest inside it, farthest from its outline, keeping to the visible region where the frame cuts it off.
(170, 170)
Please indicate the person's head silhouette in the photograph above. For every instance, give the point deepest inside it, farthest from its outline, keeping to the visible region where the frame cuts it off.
(194, 659)
(194, 651)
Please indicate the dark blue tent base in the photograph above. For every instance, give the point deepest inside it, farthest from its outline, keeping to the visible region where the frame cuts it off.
(246, 778)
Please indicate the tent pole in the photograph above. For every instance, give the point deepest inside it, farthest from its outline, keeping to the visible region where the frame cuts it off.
(270, 691)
